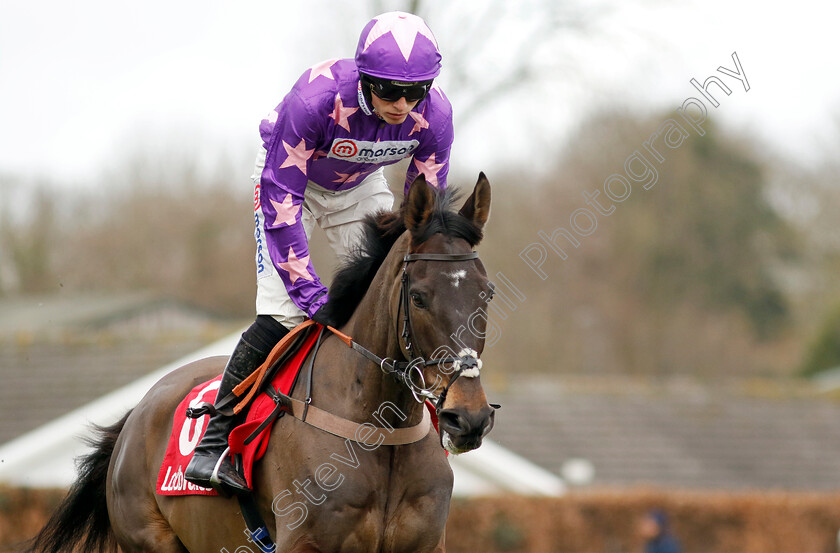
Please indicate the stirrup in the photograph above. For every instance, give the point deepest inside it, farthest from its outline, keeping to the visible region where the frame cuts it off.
(214, 476)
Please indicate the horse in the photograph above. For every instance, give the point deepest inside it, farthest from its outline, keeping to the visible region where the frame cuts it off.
(406, 293)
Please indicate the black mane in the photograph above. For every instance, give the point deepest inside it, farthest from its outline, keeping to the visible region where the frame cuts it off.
(380, 231)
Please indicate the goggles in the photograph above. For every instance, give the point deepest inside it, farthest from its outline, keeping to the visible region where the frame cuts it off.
(391, 91)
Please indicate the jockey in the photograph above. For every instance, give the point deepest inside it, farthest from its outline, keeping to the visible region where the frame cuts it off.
(321, 162)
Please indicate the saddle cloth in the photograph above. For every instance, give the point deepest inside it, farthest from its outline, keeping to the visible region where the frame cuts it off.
(187, 432)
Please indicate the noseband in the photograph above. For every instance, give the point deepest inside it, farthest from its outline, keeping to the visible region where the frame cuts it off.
(407, 372)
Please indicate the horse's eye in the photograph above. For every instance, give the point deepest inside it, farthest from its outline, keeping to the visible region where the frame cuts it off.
(490, 293)
(417, 300)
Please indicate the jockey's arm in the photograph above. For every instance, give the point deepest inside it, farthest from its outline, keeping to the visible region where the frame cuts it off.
(432, 156)
(290, 143)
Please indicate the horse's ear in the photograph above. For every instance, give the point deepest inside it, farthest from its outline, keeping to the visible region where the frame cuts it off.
(477, 206)
(419, 204)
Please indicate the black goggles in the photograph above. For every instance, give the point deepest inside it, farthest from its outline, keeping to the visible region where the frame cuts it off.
(391, 91)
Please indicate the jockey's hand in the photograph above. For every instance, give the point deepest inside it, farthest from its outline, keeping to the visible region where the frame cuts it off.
(324, 317)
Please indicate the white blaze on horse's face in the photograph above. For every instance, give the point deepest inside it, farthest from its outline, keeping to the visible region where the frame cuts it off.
(456, 277)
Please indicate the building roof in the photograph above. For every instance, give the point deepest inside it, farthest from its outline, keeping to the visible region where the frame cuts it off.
(58, 353)
(739, 435)
(28, 318)
(44, 457)
(72, 361)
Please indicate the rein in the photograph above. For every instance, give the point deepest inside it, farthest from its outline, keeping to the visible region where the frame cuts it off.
(466, 363)
(241, 396)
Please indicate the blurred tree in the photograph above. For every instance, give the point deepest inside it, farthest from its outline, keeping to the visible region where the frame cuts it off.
(678, 279)
(709, 231)
(824, 351)
(495, 48)
(159, 225)
(26, 241)
(810, 193)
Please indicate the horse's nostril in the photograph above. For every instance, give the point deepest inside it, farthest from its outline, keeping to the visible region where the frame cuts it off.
(488, 423)
(450, 421)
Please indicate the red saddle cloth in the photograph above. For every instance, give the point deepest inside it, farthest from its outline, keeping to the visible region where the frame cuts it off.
(187, 432)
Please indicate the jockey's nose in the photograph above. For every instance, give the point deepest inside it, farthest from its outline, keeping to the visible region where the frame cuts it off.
(467, 427)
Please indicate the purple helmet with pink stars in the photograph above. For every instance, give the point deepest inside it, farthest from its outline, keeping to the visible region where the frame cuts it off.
(398, 46)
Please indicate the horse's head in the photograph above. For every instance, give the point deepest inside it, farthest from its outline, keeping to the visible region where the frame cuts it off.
(441, 310)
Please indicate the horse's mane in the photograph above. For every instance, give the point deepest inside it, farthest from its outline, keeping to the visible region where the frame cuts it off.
(380, 231)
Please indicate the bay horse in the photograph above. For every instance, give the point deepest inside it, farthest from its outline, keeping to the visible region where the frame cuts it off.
(408, 292)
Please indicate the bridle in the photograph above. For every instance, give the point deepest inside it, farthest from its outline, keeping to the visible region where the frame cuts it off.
(408, 372)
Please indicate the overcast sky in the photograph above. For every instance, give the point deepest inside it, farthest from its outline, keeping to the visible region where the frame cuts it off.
(83, 82)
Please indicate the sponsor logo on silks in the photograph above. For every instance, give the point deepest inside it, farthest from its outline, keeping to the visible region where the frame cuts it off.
(264, 266)
(258, 235)
(360, 151)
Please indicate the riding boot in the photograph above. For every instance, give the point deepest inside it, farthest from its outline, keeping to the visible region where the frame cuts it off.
(210, 466)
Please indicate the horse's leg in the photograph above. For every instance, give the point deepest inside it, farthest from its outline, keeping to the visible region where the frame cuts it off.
(150, 533)
(143, 529)
(146, 522)
(136, 519)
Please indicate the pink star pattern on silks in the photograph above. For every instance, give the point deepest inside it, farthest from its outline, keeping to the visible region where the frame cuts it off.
(404, 30)
(341, 113)
(420, 122)
(429, 169)
(296, 156)
(347, 178)
(296, 267)
(286, 211)
(322, 69)
(319, 154)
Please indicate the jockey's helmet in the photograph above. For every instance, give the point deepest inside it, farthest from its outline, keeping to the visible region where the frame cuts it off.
(397, 56)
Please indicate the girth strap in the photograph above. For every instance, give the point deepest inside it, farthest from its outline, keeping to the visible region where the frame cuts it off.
(258, 531)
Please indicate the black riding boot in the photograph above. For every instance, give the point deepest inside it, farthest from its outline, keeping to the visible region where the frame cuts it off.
(209, 466)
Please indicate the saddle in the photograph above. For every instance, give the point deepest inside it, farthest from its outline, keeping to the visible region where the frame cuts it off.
(265, 396)
(289, 354)
(248, 441)
(245, 392)
(276, 377)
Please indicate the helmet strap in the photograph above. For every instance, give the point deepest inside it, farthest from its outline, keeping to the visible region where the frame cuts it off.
(364, 99)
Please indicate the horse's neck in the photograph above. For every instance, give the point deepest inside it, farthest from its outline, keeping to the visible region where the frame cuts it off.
(372, 323)
(361, 388)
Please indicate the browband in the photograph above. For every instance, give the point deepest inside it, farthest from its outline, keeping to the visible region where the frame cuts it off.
(440, 256)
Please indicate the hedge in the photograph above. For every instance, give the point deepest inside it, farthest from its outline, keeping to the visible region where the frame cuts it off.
(592, 522)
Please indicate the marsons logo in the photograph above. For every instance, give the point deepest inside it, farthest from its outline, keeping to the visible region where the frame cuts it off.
(344, 149)
(359, 151)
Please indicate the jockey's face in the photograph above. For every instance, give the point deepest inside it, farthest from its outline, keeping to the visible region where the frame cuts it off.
(393, 113)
